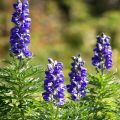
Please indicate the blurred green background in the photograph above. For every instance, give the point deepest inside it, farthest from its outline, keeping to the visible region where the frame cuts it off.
(63, 28)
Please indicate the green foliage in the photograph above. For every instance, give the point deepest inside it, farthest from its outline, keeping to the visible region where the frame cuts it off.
(101, 103)
(75, 110)
(48, 111)
(70, 111)
(19, 86)
(103, 97)
(20, 89)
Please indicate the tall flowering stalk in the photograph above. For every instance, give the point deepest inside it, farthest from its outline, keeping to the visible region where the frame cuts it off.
(19, 81)
(20, 34)
(102, 58)
(78, 78)
(54, 83)
(104, 87)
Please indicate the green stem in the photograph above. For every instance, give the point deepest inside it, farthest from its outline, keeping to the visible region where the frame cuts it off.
(102, 70)
(20, 95)
(20, 99)
(21, 110)
(56, 113)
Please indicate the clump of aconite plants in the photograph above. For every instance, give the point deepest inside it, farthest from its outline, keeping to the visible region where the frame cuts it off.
(26, 95)
(19, 80)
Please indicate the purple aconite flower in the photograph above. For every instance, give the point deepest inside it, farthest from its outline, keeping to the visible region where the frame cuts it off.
(54, 83)
(102, 58)
(78, 79)
(20, 33)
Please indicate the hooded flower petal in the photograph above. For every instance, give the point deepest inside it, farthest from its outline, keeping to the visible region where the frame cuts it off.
(20, 34)
(54, 82)
(78, 78)
(102, 58)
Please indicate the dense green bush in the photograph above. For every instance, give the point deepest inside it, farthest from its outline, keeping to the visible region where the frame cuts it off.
(19, 88)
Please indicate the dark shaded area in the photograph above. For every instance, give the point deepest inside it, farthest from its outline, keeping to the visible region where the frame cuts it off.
(3, 18)
(2, 5)
(64, 9)
(73, 40)
(98, 7)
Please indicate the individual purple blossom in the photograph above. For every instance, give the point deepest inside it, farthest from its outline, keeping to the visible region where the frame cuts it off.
(102, 58)
(20, 33)
(54, 83)
(78, 79)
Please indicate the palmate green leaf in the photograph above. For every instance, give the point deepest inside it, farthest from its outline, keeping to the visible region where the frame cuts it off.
(31, 71)
(74, 110)
(19, 84)
(103, 93)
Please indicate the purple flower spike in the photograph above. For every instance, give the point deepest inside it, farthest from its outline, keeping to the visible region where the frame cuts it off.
(20, 34)
(78, 79)
(54, 83)
(102, 58)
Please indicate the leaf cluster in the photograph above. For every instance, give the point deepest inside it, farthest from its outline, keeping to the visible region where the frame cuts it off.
(19, 89)
(103, 97)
